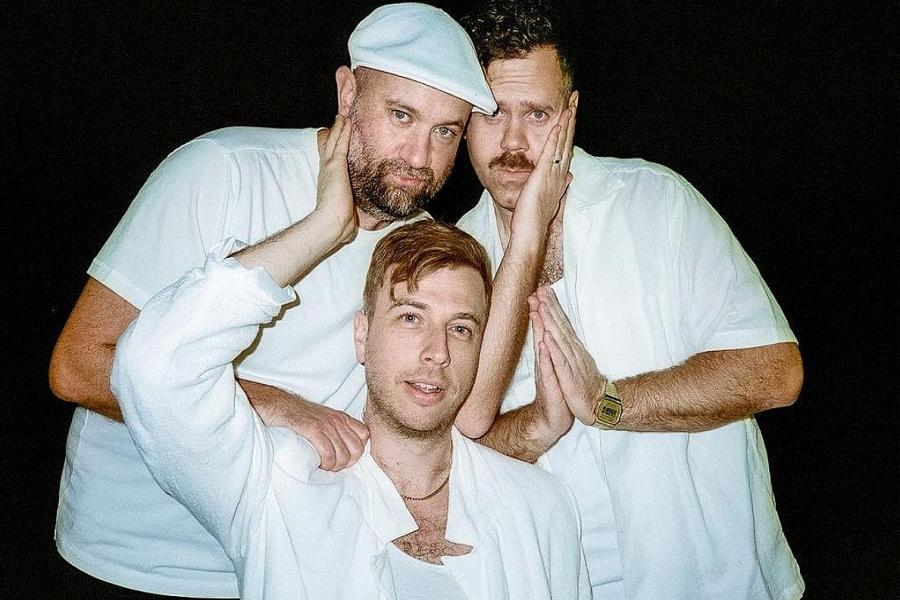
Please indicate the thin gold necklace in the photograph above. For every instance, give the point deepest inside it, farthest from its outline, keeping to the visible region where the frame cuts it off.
(431, 495)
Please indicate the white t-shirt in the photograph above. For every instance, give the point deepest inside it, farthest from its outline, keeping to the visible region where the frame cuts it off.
(292, 530)
(114, 522)
(416, 579)
(653, 276)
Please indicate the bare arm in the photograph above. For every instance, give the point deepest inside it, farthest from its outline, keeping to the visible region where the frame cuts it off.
(711, 389)
(83, 356)
(530, 430)
(82, 359)
(517, 277)
(707, 390)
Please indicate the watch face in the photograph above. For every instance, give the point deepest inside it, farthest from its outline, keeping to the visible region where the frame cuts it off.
(608, 412)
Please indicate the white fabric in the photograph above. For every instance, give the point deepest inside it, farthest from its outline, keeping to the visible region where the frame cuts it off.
(114, 522)
(655, 276)
(422, 43)
(415, 579)
(293, 530)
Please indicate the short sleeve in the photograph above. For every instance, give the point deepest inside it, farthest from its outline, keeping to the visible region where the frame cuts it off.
(725, 301)
(177, 215)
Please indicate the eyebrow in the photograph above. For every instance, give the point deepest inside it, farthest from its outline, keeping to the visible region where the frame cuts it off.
(397, 104)
(397, 302)
(529, 105)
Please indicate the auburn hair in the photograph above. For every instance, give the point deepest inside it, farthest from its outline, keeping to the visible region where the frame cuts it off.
(418, 249)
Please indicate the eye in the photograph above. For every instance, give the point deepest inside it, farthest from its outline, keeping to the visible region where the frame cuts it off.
(538, 114)
(445, 133)
(400, 116)
(409, 319)
(461, 331)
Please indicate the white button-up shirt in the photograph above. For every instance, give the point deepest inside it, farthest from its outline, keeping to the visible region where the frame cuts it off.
(652, 276)
(291, 529)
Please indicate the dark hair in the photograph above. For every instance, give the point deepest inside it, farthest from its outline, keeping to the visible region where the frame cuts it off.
(418, 249)
(513, 28)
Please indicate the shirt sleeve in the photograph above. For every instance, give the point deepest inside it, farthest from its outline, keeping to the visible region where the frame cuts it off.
(191, 422)
(725, 302)
(179, 213)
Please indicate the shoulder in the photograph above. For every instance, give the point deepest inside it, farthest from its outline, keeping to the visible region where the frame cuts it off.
(263, 139)
(623, 168)
(517, 480)
(640, 189)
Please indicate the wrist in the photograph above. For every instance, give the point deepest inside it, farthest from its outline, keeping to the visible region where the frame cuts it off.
(607, 406)
(332, 229)
(544, 429)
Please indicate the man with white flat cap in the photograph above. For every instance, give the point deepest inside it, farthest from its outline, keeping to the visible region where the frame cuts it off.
(406, 107)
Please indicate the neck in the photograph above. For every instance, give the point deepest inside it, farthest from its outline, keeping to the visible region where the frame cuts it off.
(416, 466)
(505, 221)
(368, 222)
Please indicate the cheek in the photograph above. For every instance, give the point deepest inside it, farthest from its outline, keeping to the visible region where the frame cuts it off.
(466, 359)
(444, 156)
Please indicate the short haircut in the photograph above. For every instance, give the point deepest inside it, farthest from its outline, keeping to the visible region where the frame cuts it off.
(503, 29)
(418, 249)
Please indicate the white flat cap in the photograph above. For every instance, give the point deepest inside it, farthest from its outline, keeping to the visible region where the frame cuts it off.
(422, 43)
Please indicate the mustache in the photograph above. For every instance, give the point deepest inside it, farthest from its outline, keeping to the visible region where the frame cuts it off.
(403, 168)
(514, 161)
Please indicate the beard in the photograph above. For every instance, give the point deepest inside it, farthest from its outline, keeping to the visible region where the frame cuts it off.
(391, 413)
(395, 421)
(375, 194)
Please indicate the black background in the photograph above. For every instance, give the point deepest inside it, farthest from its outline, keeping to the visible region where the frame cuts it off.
(783, 115)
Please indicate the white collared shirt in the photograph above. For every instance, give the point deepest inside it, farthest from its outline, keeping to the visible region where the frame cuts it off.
(652, 276)
(291, 529)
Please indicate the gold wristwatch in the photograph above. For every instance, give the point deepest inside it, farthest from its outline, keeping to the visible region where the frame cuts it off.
(608, 409)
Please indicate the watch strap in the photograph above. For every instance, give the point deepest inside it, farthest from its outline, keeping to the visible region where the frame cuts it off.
(608, 408)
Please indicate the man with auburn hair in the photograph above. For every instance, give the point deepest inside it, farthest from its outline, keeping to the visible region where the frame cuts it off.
(426, 512)
(663, 338)
(407, 106)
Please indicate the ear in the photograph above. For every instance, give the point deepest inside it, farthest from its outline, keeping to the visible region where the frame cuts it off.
(346, 89)
(573, 100)
(360, 333)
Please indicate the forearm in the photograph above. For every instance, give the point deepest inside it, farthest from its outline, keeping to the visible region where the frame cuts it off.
(505, 334)
(520, 433)
(711, 389)
(83, 356)
(292, 253)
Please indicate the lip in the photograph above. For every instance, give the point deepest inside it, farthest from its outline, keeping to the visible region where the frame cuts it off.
(405, 181)
(516, 175)
(423, 397)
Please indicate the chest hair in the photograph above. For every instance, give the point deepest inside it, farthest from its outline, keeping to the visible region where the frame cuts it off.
(552, 270)
(428, 543)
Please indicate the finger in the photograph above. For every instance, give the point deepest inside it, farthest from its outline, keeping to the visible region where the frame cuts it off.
(565, 118)
(549, 381)
(341, 451)
(354, 446)
(551, 302)
(548, 152)
(322, 444)
(562, 339)
(565, 374)
(359, 428)
(332, 137)
(568, 149)
(342, 144)
(533, 303)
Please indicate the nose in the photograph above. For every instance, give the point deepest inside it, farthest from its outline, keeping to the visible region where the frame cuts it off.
(416, 148)
(514, 138)
(436, 350)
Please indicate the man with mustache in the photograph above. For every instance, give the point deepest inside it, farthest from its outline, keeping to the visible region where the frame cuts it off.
(663, 337)
(407, 108)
